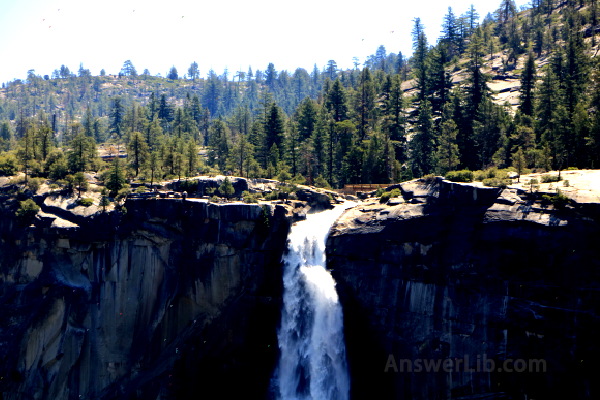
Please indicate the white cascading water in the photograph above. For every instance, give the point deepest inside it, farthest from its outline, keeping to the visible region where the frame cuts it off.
(311, 338)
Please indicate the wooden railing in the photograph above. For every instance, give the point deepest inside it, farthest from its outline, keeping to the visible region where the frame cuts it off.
(362, 187)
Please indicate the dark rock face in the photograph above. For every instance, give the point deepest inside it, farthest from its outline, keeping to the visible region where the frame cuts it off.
(177, 299)
(452, 270)
(181, 298)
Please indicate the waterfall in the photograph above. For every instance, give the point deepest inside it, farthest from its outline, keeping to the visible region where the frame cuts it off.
(312, 365)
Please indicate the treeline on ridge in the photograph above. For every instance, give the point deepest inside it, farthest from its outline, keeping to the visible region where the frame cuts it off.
(390, 121)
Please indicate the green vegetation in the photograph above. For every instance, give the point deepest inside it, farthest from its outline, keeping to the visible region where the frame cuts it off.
(81, 182)
(550, 178)
(86, 202)
(385, 197)
(114, 180)
(8, 165)
(34, 184)
(558, 201)
(460, 176)
(250, 197)
(533, 184)
(329, 127)
(27, 210)
(274, 195)
(226, 189)
(104, 201)
(497, 182)
(122, 194)
(190, 186)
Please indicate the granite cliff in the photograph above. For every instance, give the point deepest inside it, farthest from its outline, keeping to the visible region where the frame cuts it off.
(174, 298)
(450, 270)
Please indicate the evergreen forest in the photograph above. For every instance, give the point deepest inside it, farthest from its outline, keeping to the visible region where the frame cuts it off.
(389, 119)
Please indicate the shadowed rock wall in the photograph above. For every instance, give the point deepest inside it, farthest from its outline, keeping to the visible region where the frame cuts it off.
(452, 270)
(176, 298)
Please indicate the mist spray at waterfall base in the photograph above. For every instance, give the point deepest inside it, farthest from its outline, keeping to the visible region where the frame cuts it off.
(312, 365)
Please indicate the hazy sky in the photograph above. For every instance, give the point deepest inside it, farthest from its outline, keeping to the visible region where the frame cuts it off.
(43, 34)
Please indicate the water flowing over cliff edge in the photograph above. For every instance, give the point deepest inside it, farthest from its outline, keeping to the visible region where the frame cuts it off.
(313, 363)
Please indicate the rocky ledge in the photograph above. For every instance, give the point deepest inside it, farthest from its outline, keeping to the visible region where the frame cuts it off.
(450, 270)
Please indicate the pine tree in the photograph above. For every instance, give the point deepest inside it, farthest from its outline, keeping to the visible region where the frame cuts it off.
(196, 110)
(395, 120)
(172, 74)
(307, 118)
(576, 72)
(154, 165)
(273, 163)
(292, 144)
(81, 182)
(420, 50)
(219, 144)
(489, 128)
(336, 101)
(117, 115)
(449, 32)
(519, 162)
(116, 177)
(88, 124)
(192, 158)
(178, 164)
(318, 151)
(153, 133)
(331, 69)
(104, 201)
(99, 131)
(137, 151)
(547, 99)
(528, 79)
(271, 77)
(226, 189)
(348, 161)
(193, 71)
(440, 80)
(477, 88)
(212, 94)
(274, 128)
(241, 152)
(128, 69)
(81, 153)
(473, 19)
(423, 143)
(447, 154)
(26, 149)
(365, 103)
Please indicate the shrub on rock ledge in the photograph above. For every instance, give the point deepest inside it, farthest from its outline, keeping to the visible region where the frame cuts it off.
(460, 176)
(388, 195)
(27, 210)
